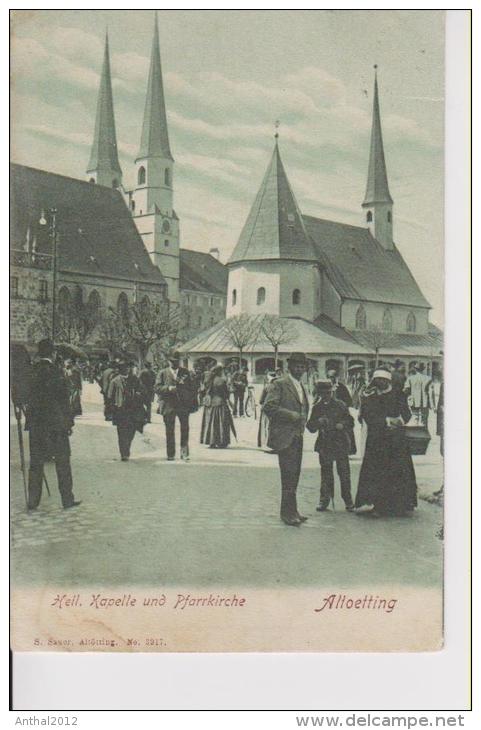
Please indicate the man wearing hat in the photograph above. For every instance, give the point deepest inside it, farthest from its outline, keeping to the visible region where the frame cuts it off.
(50, 424)
(419, 389)
(330, 417)
(177, 399)
(287, 408)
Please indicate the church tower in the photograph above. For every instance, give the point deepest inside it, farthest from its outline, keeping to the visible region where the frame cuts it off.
(151, 201)
(274, 268)
(378, 203)
(104, 167)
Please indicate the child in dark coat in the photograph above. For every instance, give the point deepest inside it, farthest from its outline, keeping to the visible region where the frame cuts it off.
(330, 417)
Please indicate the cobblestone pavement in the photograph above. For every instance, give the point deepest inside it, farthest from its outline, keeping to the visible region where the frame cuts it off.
(214, 519)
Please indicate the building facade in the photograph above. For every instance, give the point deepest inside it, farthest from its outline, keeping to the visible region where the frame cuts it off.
(346, 288)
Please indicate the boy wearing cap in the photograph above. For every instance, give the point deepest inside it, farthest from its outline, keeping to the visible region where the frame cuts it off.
(330, 417)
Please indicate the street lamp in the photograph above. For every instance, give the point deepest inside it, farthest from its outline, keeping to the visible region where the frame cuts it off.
(53, 233)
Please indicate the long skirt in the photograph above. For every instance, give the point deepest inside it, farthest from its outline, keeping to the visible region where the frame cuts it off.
(387, 479)
(75, 402)
(217, 424)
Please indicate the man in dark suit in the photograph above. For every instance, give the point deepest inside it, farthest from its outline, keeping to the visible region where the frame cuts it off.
(50, 424)
(177, 399)
(287, 407)
(147, 381)
(239, 385)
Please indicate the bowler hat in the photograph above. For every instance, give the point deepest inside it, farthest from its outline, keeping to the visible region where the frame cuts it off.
(297, 357)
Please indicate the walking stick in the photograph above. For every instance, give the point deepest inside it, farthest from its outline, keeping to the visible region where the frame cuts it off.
(18, 416)
(46, 485)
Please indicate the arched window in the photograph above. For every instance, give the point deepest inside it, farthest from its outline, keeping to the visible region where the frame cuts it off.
(296, 296)
(64, 299)
(141, 176)
(369, 216)
(92, 180)
(78, 297)
(166, 243)
(167, 177)
(132, 206)
(261, 295)
(361, 319)
(411, 322)
(387, 320)
(123, 305)
(145, 301)
(389, 216)
(234, 297)
(94, 304)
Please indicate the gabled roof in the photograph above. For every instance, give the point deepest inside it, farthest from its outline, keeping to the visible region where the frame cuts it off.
(274, 228)
(96, 233)
(359, 267)
(104, 154)
(377, 190)
(200, 271)
(155, 135)
(413, 344)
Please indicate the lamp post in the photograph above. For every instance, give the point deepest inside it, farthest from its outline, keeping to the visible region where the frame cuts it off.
(53, 233)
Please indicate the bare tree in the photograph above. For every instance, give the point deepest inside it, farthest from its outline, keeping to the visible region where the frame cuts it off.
(76, 322)
(242, 331)
(111, 332)
(147, 323)
(278, 331)
(376, 339)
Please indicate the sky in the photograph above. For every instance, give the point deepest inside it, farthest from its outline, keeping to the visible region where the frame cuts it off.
(228, 76)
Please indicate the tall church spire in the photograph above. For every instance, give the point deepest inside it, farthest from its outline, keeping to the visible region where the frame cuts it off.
(104, 167)
(377, 199)
(155, 136)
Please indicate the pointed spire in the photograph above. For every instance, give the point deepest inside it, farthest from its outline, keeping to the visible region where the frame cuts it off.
(377, 190)
(155, 136)
(104, 158)
(274, 228)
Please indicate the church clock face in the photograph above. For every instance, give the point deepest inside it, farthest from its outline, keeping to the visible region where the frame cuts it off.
(165, 226)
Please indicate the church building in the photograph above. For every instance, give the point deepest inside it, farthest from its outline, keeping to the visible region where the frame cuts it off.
(348, 289)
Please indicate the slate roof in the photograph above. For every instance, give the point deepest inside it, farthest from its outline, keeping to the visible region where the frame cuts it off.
(429, 344)
(377, 190)
(154, 141)
(310, 338)
(274, 228)
(104, 152)
(359, 267)
(96, 233)
(202, 272)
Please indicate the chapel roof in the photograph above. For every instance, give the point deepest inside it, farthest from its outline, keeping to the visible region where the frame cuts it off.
(200, 271)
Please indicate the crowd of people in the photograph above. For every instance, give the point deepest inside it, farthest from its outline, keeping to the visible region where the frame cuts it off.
(384, 403)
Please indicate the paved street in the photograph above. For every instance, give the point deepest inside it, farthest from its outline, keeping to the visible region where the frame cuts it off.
(212, 521)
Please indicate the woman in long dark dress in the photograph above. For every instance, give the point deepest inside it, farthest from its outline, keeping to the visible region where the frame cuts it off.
(217, 422)
(387, 479)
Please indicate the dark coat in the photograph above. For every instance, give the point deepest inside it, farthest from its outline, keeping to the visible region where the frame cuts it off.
(331, 443)
(49, 399)
(125, 393)
(287, 414)
(182, 399)
(341, 392)
(387, 479)
(147, 380)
